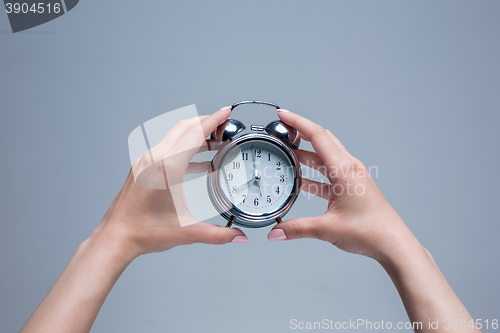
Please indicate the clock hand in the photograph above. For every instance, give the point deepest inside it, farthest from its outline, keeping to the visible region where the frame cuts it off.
(257, 179)
(255, 172)
(245, 184)
(253, 164)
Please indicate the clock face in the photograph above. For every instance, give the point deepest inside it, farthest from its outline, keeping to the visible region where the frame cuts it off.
(257, 177)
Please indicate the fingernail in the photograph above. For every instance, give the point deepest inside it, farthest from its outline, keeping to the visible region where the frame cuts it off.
(240, 239)
(226, 108)
(283, 110)
(276, 235)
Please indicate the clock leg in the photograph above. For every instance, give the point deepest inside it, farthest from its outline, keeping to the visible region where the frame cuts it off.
(278, 220)
(230, 221)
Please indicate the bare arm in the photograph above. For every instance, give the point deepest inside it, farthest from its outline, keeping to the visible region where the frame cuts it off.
(424, 290)
(75, 299)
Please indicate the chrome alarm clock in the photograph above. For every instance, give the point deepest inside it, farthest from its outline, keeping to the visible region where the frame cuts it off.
(255, 177)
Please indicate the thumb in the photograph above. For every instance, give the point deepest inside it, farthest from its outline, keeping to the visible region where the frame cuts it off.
(214, 234)
(305, 227)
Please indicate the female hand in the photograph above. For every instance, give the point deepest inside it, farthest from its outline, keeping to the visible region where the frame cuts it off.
(358, 218)
(156, 218)
(140, 220)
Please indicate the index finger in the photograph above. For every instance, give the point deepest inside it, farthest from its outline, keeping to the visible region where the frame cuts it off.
(210, 123)
(322, 143)
(191, 135)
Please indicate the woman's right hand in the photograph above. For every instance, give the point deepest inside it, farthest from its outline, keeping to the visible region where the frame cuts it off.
(358, 218)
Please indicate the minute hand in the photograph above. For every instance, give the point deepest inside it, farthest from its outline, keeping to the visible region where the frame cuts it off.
(253, 164)
(245, 184)
(255, 172)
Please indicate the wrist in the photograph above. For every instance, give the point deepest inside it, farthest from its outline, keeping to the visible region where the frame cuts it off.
(395, 244)
(114, 242)
(405, 255)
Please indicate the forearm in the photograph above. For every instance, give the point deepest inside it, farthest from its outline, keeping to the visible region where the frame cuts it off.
(77, 296)
(424, 290)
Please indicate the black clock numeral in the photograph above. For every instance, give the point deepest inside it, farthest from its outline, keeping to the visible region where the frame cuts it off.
(258, 152)
(282, 178)
(278, 165)
(278, 190)
(236, 165)
(230, 177)
(269, 156)
(256, 201)
(268, 198)
(245, 156)
(244, 197)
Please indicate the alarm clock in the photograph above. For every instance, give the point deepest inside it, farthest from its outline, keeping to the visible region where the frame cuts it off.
(255, 177)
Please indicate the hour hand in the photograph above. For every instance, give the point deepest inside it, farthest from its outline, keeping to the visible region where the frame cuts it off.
(257, 178)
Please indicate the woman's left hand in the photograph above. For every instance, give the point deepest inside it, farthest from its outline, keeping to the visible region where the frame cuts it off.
(154, 220)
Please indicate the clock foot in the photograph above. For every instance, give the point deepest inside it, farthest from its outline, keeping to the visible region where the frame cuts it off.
(230, 221)
(278, 220)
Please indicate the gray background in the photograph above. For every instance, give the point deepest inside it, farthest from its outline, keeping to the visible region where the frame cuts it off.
(411, 87)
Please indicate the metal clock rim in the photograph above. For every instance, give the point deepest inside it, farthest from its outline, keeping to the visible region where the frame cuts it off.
(226, 208)
(227, 199)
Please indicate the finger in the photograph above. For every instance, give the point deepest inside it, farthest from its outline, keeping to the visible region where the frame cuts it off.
(194, 135)
(210, 145)
(182, 126)
(357, 161)
(164, 147)
(304, 227)
(300, 137)
(316, 160)
(210, 123)
(208, 233)
(322, 143)
(337, 141)
(196, 127)
(194, 167)
(312, 160)
(198, 167)
(341, 146)
(319, 189)
(167, 146)
(192, 138)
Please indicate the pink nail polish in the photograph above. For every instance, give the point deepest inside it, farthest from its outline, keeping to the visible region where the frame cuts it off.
(283, 110)
(276, 235)
(240, 239)
(226, 108)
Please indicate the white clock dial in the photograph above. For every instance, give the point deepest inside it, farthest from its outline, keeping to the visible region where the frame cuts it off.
(257, 177)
